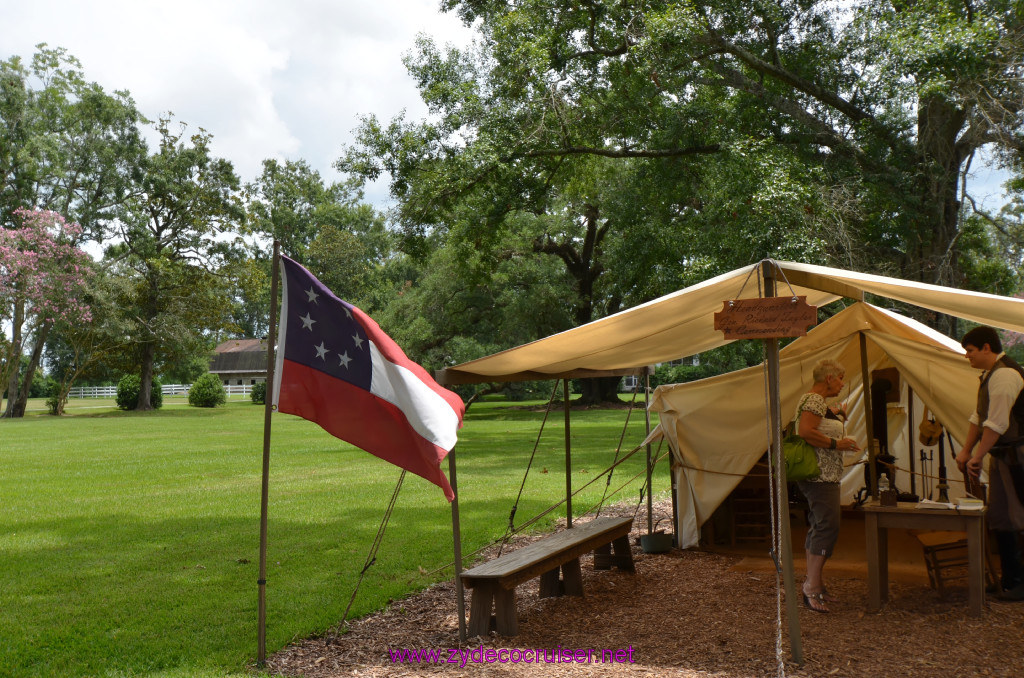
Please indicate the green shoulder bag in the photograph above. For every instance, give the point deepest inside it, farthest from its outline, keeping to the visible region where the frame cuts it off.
(799, 456)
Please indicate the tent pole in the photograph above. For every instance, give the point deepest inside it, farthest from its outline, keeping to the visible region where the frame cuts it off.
(910, 438)
(568, 457)
(675, 499)
(869, 424)
(647, 429)
(268, 408)
(771, 348)
(460, 593)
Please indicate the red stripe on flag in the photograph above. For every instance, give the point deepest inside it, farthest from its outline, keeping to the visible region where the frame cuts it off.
(391, 351)
(362, 419)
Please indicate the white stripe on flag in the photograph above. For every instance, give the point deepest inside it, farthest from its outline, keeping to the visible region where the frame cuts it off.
(429, 414)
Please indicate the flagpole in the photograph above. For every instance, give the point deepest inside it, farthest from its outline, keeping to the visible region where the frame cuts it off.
(261, 643)
(460, 593)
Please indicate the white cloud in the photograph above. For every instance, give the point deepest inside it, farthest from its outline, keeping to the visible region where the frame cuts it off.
(266, 79)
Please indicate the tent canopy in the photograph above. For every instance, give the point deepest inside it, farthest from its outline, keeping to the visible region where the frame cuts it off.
(682, 323)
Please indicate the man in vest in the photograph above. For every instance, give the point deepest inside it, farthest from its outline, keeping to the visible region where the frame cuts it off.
(996, 428)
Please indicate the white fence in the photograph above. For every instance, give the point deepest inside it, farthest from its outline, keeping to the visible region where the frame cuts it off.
(92, 392)
(166, 389)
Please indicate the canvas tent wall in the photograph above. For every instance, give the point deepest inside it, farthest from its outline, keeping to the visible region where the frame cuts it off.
(717, 427)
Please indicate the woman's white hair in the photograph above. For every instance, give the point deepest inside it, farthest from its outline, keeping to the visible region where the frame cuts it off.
(828, 368)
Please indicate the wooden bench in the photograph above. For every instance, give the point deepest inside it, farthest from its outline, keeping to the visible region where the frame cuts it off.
(494, 582)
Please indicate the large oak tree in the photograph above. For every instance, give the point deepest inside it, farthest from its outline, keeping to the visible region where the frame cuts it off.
(693, 138)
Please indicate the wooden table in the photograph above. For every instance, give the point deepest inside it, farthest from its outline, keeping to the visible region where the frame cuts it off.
(878, 520)
(494, 582)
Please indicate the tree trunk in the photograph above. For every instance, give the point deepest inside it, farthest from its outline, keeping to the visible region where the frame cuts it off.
(598, 391)
(582, 261)
(585, 265)
(14, 357)
(145, 402)
(21, 403)
(938, 227)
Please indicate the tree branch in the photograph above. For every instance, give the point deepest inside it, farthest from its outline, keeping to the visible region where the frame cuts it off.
(793, 80)
(614, 52)
(812, 89)
(621, 153)
(791, 108)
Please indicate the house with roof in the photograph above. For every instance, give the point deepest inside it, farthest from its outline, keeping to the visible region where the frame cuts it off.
(240, 362)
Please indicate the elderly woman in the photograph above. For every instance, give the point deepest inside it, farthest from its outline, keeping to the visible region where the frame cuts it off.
(822, 426)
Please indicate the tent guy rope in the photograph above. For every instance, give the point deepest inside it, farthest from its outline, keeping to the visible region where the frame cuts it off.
(371, 557)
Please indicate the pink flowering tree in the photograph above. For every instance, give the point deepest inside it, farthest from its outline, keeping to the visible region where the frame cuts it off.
(43, 279)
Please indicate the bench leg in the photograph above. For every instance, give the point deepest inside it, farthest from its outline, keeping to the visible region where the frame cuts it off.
(616, 554)
(572, 578)
(506, 622)
(480, 608)
(549, 584)
(623, 554)
(488, 595)
(571, 583)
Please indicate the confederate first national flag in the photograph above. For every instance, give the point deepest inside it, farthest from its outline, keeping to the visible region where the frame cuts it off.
(336, 367)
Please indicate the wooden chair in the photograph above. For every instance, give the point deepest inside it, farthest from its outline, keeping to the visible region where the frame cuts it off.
(750, 507)
(945, 557)
(945, 553)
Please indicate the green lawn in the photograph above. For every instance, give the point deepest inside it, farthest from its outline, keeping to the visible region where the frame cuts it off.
(129, 542)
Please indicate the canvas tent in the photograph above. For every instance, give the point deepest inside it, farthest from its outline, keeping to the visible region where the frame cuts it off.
(717, 428)
(720, 423)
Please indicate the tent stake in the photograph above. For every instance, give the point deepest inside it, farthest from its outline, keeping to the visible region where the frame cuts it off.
(771, 349)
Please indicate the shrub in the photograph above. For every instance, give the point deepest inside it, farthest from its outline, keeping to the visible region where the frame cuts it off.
(128, 392)
(259, 393)
(207, 391)
(42, 386)
(53, 401)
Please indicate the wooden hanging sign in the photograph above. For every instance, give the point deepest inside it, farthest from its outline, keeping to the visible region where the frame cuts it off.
(767, 318)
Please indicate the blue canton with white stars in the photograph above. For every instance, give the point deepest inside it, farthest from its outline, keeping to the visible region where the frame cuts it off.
(322, 331)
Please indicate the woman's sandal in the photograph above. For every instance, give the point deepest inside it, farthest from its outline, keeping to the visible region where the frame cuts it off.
(819, 599)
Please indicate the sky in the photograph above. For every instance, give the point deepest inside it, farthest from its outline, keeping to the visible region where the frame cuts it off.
(267, 78)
